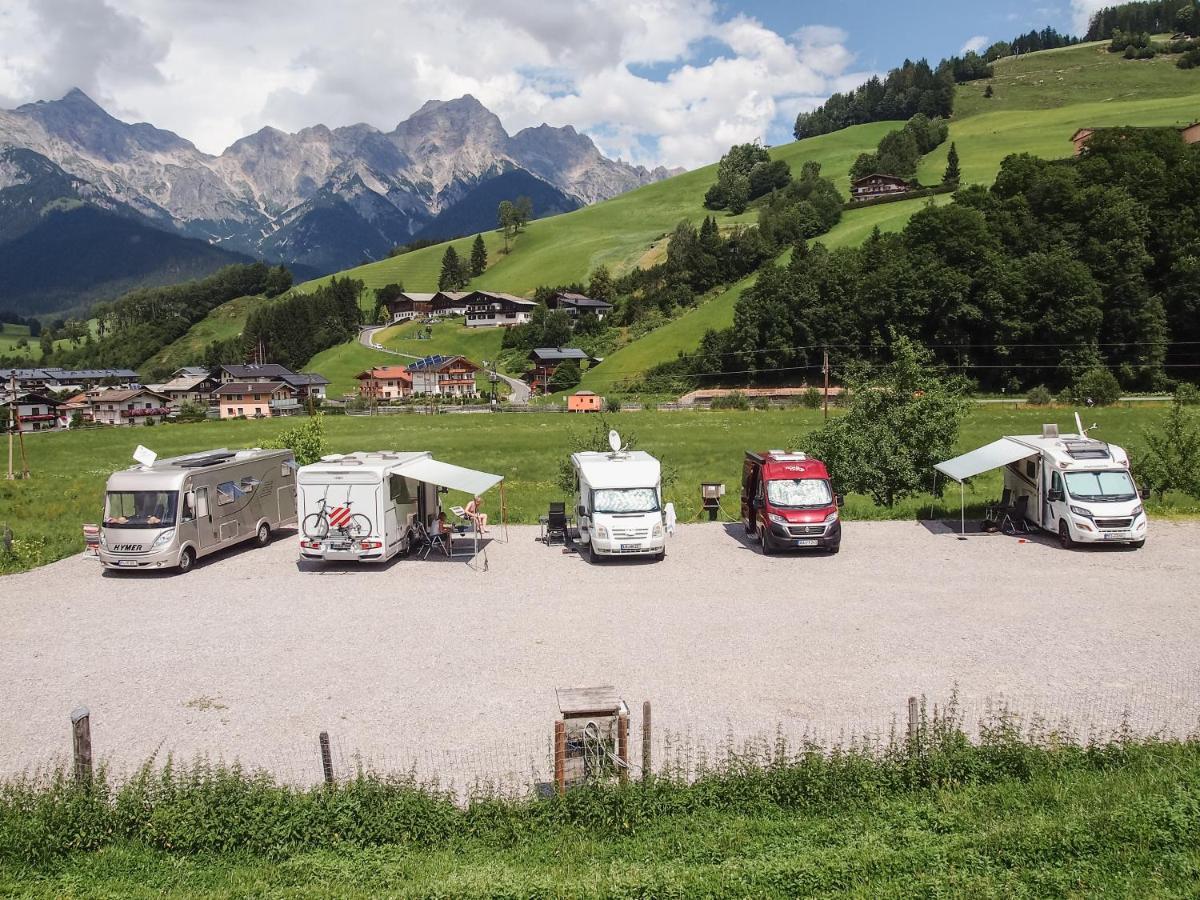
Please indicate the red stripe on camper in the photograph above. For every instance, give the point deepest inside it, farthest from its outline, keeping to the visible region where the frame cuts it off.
(340, 516)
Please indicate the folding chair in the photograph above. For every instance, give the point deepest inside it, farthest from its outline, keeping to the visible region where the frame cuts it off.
(429, 541)
(556, 523)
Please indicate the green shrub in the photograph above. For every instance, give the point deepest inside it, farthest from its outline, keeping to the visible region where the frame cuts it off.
(811, 398)
(1040, 396)
(762, 403)
(612, 404)
(1097, 387)
(1187, 394)
(732, 400)
(306, 440)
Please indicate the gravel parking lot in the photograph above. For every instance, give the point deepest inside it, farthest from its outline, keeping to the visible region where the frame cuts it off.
(438, 665)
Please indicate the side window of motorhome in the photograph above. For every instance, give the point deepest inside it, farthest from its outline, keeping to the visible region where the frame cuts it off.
(248, 484)
(1030, 470)
(399, 490)
(227, 492)
(285, 471)
(187, 513)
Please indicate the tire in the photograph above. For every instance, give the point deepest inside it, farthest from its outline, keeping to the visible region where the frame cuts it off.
(660, 556)
(1138, 545)
(315, 526)
(264, 535)
(359, 526)
(764, 539)
(836, 548)
(187, 559)
(1064, 534)
(593, 556)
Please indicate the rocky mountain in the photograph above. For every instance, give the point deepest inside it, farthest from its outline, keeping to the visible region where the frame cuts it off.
(323, 198)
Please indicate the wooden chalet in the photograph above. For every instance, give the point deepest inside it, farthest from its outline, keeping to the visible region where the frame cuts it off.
(879, 185)
(384, 383)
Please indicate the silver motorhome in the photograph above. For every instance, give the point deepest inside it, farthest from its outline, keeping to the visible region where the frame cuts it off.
(174, 511)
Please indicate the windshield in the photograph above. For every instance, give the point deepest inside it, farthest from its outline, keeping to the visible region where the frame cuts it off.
(1101, 486)
(625, 500)
(799, 492)
(139, 509)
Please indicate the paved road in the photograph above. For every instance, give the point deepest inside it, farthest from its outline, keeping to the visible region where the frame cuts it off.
(252, 655)
(366, 337)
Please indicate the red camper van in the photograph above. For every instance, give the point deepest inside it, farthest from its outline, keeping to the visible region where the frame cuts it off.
(788, 501)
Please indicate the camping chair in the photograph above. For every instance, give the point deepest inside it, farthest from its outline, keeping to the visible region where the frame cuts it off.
(466, 522)
(993, 514)
(430, 540)
(556, 523)
(1015, 521)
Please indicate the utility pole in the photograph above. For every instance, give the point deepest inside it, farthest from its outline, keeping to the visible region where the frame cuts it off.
(9, 424)
(14, 425)
(825, 369)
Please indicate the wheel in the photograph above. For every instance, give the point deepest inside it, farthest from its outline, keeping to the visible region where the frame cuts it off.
(315, 526)
(593, 556)
(1064, 534)
(835, 549)
(1138, 545)
(765, 540)
(660, 556)
(264, 534)
(359, 525)
(186, 560)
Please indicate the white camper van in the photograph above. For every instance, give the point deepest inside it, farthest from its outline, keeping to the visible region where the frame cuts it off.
(619, 503)
(367, 507)
(1071, 485)
(170, 512)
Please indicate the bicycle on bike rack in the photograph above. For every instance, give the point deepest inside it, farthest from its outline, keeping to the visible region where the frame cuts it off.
(340, 518)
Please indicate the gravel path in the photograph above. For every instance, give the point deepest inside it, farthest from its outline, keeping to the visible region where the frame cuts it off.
(435, 664)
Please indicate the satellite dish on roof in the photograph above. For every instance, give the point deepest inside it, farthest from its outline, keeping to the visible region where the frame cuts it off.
(145, 456)
(614, 440)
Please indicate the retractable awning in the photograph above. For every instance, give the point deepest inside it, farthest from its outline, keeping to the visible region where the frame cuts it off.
(983, 459)
(456, 478)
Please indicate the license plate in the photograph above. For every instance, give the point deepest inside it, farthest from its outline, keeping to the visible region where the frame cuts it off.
(127, 562)
(807, 542)
(1117, 536)
(339, 546)
(629, 546)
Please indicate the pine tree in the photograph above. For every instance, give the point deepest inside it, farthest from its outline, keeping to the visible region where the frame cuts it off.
(478, 257)
(953, 173)
(453, 277)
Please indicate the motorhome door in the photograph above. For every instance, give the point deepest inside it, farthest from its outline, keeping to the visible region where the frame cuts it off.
(206, 528)
(1057, 507)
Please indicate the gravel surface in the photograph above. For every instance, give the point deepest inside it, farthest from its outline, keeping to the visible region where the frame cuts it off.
(452, 670)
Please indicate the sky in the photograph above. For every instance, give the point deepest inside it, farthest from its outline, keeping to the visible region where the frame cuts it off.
(672, 82)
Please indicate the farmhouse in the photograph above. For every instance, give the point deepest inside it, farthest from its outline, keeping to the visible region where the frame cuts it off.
(132, 406)
(879, 185)
(256, 399)
(34, 412)
(303, 384)
(449, 376)
(487, 309)
(408, 306)
(546, 361)
(187, 388)
(1189, 134)
(384, 383)
(576, 304)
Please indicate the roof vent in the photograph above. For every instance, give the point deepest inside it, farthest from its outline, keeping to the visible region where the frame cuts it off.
(1050, 431)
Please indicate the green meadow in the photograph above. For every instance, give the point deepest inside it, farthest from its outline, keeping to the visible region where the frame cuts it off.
(70, 468)
(221, 324)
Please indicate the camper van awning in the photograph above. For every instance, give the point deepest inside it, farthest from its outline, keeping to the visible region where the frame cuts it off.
(443, 474)
(990, 456)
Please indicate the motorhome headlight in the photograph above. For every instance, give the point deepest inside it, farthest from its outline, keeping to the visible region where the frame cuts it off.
(778, 520)
(103, 539)
(831, 518)
(658, 529)
(163, 539)
(1139, 510)
(1080, 511)
(601, 532)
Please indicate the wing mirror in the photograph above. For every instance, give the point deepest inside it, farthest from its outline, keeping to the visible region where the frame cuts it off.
(1055, 496)
(581, 511)
(839, 499)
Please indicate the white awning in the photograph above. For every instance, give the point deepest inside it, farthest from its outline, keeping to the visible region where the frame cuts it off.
(990, 456)
(443, 474)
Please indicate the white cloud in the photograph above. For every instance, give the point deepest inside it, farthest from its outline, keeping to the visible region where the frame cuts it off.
(975, 44)
(1082, 12)
(215, 70)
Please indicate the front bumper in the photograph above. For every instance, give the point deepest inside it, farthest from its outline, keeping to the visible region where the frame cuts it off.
(807, 536)
(616, 547)
(132, 562)
(1087, 531)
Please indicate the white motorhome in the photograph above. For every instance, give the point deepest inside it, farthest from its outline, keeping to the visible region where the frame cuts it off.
(1071, 485)
(619, 503)
(170, 512)
(368, 507)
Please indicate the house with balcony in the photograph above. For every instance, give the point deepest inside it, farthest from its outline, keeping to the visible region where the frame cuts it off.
(546, 360)
(256, 399)
(304, 384)
(487, 309)
(384, 383)
(34, 412)
(879, 185)
(135, 406)
(187, 387)
(575, 305)
(444, 376)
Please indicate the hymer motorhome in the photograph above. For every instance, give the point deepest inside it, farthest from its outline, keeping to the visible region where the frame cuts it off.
(619, 503)
(170, 512)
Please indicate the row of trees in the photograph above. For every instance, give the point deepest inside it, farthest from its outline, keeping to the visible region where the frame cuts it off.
(899, 152)
(746, 173)
(456, 271)
(911, 88)
(1155, 17)
(293, 330)
(1058, 268)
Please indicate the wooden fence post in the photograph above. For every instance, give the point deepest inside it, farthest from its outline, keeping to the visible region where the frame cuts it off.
(560, 756)
(326, 757)
(647, 762)
(913, 720)
(623, 747)
(81, 729)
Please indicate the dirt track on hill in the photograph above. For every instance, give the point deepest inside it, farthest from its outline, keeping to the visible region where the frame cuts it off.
(453, 670)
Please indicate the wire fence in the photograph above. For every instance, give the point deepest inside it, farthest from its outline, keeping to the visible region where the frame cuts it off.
(520, 762)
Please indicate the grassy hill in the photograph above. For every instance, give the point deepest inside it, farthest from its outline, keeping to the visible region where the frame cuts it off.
(11, 334)
(224, 322)
(1039, 100)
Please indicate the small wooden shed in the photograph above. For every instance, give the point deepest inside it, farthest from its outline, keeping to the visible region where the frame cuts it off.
(583, 401)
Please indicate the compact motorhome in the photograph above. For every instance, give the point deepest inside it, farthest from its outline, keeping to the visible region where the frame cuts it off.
(170, 512)
(366, 507)
(1071, 485)
(788, 501)
(619, 503)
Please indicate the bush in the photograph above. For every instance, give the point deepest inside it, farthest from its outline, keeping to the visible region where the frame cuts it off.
(1096, 387)
(191, 412)
(811, 398)
(1040, 396)
(732, 400)
(612, 404)
(1189, 60)
(762, 403)
(306, 441)
(1187, 394)
(1171, 459)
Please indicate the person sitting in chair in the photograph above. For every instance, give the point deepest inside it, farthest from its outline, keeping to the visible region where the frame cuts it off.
(441, 526)
(479, 518)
